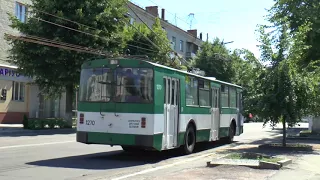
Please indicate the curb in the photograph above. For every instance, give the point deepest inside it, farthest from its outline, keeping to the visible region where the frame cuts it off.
(303, 138)
(261, 164)
(35, 132)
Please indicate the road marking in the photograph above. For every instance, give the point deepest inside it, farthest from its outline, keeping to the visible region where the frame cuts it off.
(30, 145)
(163, 167)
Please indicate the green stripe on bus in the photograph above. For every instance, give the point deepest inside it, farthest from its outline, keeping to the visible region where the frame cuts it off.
(157, 141)
(116, 107)
(223, 132)
(109, 138)
(228, 111)
(203, 135)
(143, 108)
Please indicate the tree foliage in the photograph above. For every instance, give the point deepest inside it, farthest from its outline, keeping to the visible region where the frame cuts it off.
(158, 51)
(55, 69)
(247, 70)
(296, 13)
(287, 90)
(215, 60)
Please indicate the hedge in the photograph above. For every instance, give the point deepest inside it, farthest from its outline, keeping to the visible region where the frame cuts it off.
(47, 123)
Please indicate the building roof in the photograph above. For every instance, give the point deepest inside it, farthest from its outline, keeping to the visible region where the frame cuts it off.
(166, 23)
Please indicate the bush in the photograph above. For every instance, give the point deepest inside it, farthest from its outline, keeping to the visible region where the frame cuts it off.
(49, 123)
(25, 122)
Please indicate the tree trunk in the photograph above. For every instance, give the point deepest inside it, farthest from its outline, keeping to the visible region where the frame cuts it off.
(284, 131)
(69, 102)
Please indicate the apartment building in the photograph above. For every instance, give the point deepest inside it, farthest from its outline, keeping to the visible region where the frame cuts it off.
(185, 43)
(19, 96)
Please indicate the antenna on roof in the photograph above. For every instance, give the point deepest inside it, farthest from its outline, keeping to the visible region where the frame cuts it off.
(191, 16)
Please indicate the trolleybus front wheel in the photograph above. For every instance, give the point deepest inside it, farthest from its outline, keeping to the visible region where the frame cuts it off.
(189, 140)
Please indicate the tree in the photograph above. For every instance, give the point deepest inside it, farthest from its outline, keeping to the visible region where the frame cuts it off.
(56, 70)
(287, 90)
(296, 13)
(158, 51)
(247, 70)
(215, 60)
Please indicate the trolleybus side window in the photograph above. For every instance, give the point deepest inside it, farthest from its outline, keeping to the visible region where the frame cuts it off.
(224, 96)
(204, 93)
(191, 91)
(233, 97)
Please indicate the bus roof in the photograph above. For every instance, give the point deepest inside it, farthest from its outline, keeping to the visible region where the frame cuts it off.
(170, 68)
(185, 72)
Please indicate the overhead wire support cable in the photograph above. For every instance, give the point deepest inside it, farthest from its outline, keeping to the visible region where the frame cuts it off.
(68, 20)
(151, 30)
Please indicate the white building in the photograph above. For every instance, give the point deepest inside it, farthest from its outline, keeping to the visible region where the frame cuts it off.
(185, 43)
(19, 95)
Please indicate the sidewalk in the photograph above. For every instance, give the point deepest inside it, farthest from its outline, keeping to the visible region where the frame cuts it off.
(306, 167)
(17, 130)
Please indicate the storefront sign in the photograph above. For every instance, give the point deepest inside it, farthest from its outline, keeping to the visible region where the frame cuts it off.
(8, 72)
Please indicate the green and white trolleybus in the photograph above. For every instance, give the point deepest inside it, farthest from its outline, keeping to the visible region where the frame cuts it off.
(143, 105)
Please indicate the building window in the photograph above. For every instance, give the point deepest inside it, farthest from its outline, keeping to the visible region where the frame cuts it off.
(21, 11)
(174, 42)
(3, 96)
(181, 45)
(18, 91)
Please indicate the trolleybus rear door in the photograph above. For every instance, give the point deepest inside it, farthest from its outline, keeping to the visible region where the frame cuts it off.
(171, 112)
(215, 113)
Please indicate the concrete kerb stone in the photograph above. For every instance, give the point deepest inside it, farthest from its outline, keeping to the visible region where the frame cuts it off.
(18, 132)
(269, 165)
(256, 164)
(250, 163)
(285, 162)
(303, 138)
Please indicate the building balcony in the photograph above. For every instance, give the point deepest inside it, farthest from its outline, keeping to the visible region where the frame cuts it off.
(190, 55)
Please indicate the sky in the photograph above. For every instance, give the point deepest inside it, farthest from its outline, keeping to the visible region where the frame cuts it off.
(230, 20)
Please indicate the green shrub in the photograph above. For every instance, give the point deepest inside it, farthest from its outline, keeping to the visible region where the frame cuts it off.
(25, 122)
(48, 123)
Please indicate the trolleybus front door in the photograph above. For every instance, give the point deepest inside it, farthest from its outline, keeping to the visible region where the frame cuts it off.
(239, 115)
(215, 113)
(171, 112)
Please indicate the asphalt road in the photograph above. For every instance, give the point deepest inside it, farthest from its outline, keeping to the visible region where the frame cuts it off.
(60, 157)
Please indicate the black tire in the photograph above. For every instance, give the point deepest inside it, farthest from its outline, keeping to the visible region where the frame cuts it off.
(189, 140)
(231, 133)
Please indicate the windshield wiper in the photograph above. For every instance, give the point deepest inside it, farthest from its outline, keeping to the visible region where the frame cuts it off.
(102, 82)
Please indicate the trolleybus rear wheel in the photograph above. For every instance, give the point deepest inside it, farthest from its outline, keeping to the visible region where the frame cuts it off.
(189, 140)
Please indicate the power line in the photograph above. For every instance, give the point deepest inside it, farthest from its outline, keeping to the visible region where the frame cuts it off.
(170, 13)
(34, 40)
(151, 30)
(82, 25)
(57, 44)
(66, 27)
